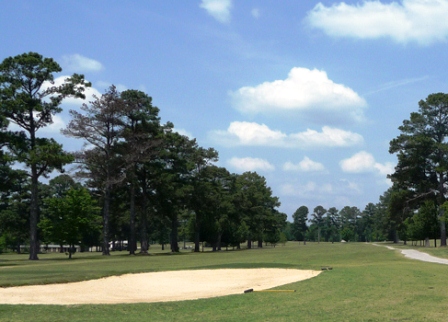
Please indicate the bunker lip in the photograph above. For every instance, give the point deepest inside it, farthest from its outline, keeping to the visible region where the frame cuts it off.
(155, 287)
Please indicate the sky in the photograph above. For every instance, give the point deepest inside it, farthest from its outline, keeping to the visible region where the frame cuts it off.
(308, 94)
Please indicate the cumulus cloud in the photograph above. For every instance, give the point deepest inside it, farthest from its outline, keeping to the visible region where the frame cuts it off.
(218, 9)
(304, 90)
(306, 165)
(330, 137)
(254, 134)
(250, 164)
(420, 21)
(80, 64)
(363, 162)
(312, 189)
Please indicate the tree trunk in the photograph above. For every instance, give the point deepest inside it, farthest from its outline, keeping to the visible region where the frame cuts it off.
(442, 231)
(34, 214)
(132, 240)
(260, 243)
(219, 241)
(106, 220)
(395, 236)
(249, 243)
(197, 235)
(174, 235)
(144, 222)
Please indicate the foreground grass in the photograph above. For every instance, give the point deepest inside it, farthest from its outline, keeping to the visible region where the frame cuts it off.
(367, 283)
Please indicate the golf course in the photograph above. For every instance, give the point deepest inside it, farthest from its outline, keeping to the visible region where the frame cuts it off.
(353, 282)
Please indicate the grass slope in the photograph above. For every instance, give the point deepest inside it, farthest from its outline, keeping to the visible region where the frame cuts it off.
(367, 283)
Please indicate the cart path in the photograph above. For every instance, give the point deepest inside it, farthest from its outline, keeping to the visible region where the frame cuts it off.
(421, 256)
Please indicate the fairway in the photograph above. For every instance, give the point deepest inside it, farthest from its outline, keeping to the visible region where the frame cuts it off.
(367, 283)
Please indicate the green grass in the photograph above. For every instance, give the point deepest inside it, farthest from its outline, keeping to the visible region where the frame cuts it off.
(367, 283)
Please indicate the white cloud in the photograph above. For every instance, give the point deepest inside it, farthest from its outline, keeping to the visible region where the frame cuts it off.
(80, 64)
(358, 163)
(330, 137)
(320, 190)
(89, 92)
(307, 189)
(255, 12)
(304, 90)
(306, 165)
(250, 164)
(184, 132)
(254, 134)
(249, 134)
(50, 129)
(218, 9)
(352, 186)
(385, 169)
(420, 21)
(363, 162)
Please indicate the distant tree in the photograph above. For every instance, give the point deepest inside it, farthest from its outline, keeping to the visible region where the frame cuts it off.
(61, 184)
(143, 139)
(69, 218)
(367, 222)
(332, 225)
(349, 217)
(299, 225)
(101, 125)
(15, 209)
(423, 225)
(201, 158)
(256, 204)
(318, 219)
(29, 98)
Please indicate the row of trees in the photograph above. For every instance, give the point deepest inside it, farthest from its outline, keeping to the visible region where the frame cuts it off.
(333, 225)
(132, 169)
(137, 179)
(415, 207)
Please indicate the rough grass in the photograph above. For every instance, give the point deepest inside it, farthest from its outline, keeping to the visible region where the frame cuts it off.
(367, 283)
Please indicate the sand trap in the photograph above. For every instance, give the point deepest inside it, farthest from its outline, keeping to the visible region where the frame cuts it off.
(154, 287)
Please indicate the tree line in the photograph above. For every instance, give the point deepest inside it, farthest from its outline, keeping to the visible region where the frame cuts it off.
(135, 179)
(414, 208)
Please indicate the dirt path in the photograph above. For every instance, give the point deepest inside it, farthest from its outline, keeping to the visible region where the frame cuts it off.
(154, 287)
(415, 254)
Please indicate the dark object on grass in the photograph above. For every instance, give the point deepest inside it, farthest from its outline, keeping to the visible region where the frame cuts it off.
(252, 290)
(327, 268)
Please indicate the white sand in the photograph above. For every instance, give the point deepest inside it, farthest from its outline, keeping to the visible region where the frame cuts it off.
(155, 287)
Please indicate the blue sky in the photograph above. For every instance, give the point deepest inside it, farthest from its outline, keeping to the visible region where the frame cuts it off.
(308, 94)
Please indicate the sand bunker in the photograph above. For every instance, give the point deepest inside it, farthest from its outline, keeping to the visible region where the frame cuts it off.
(154, 287)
